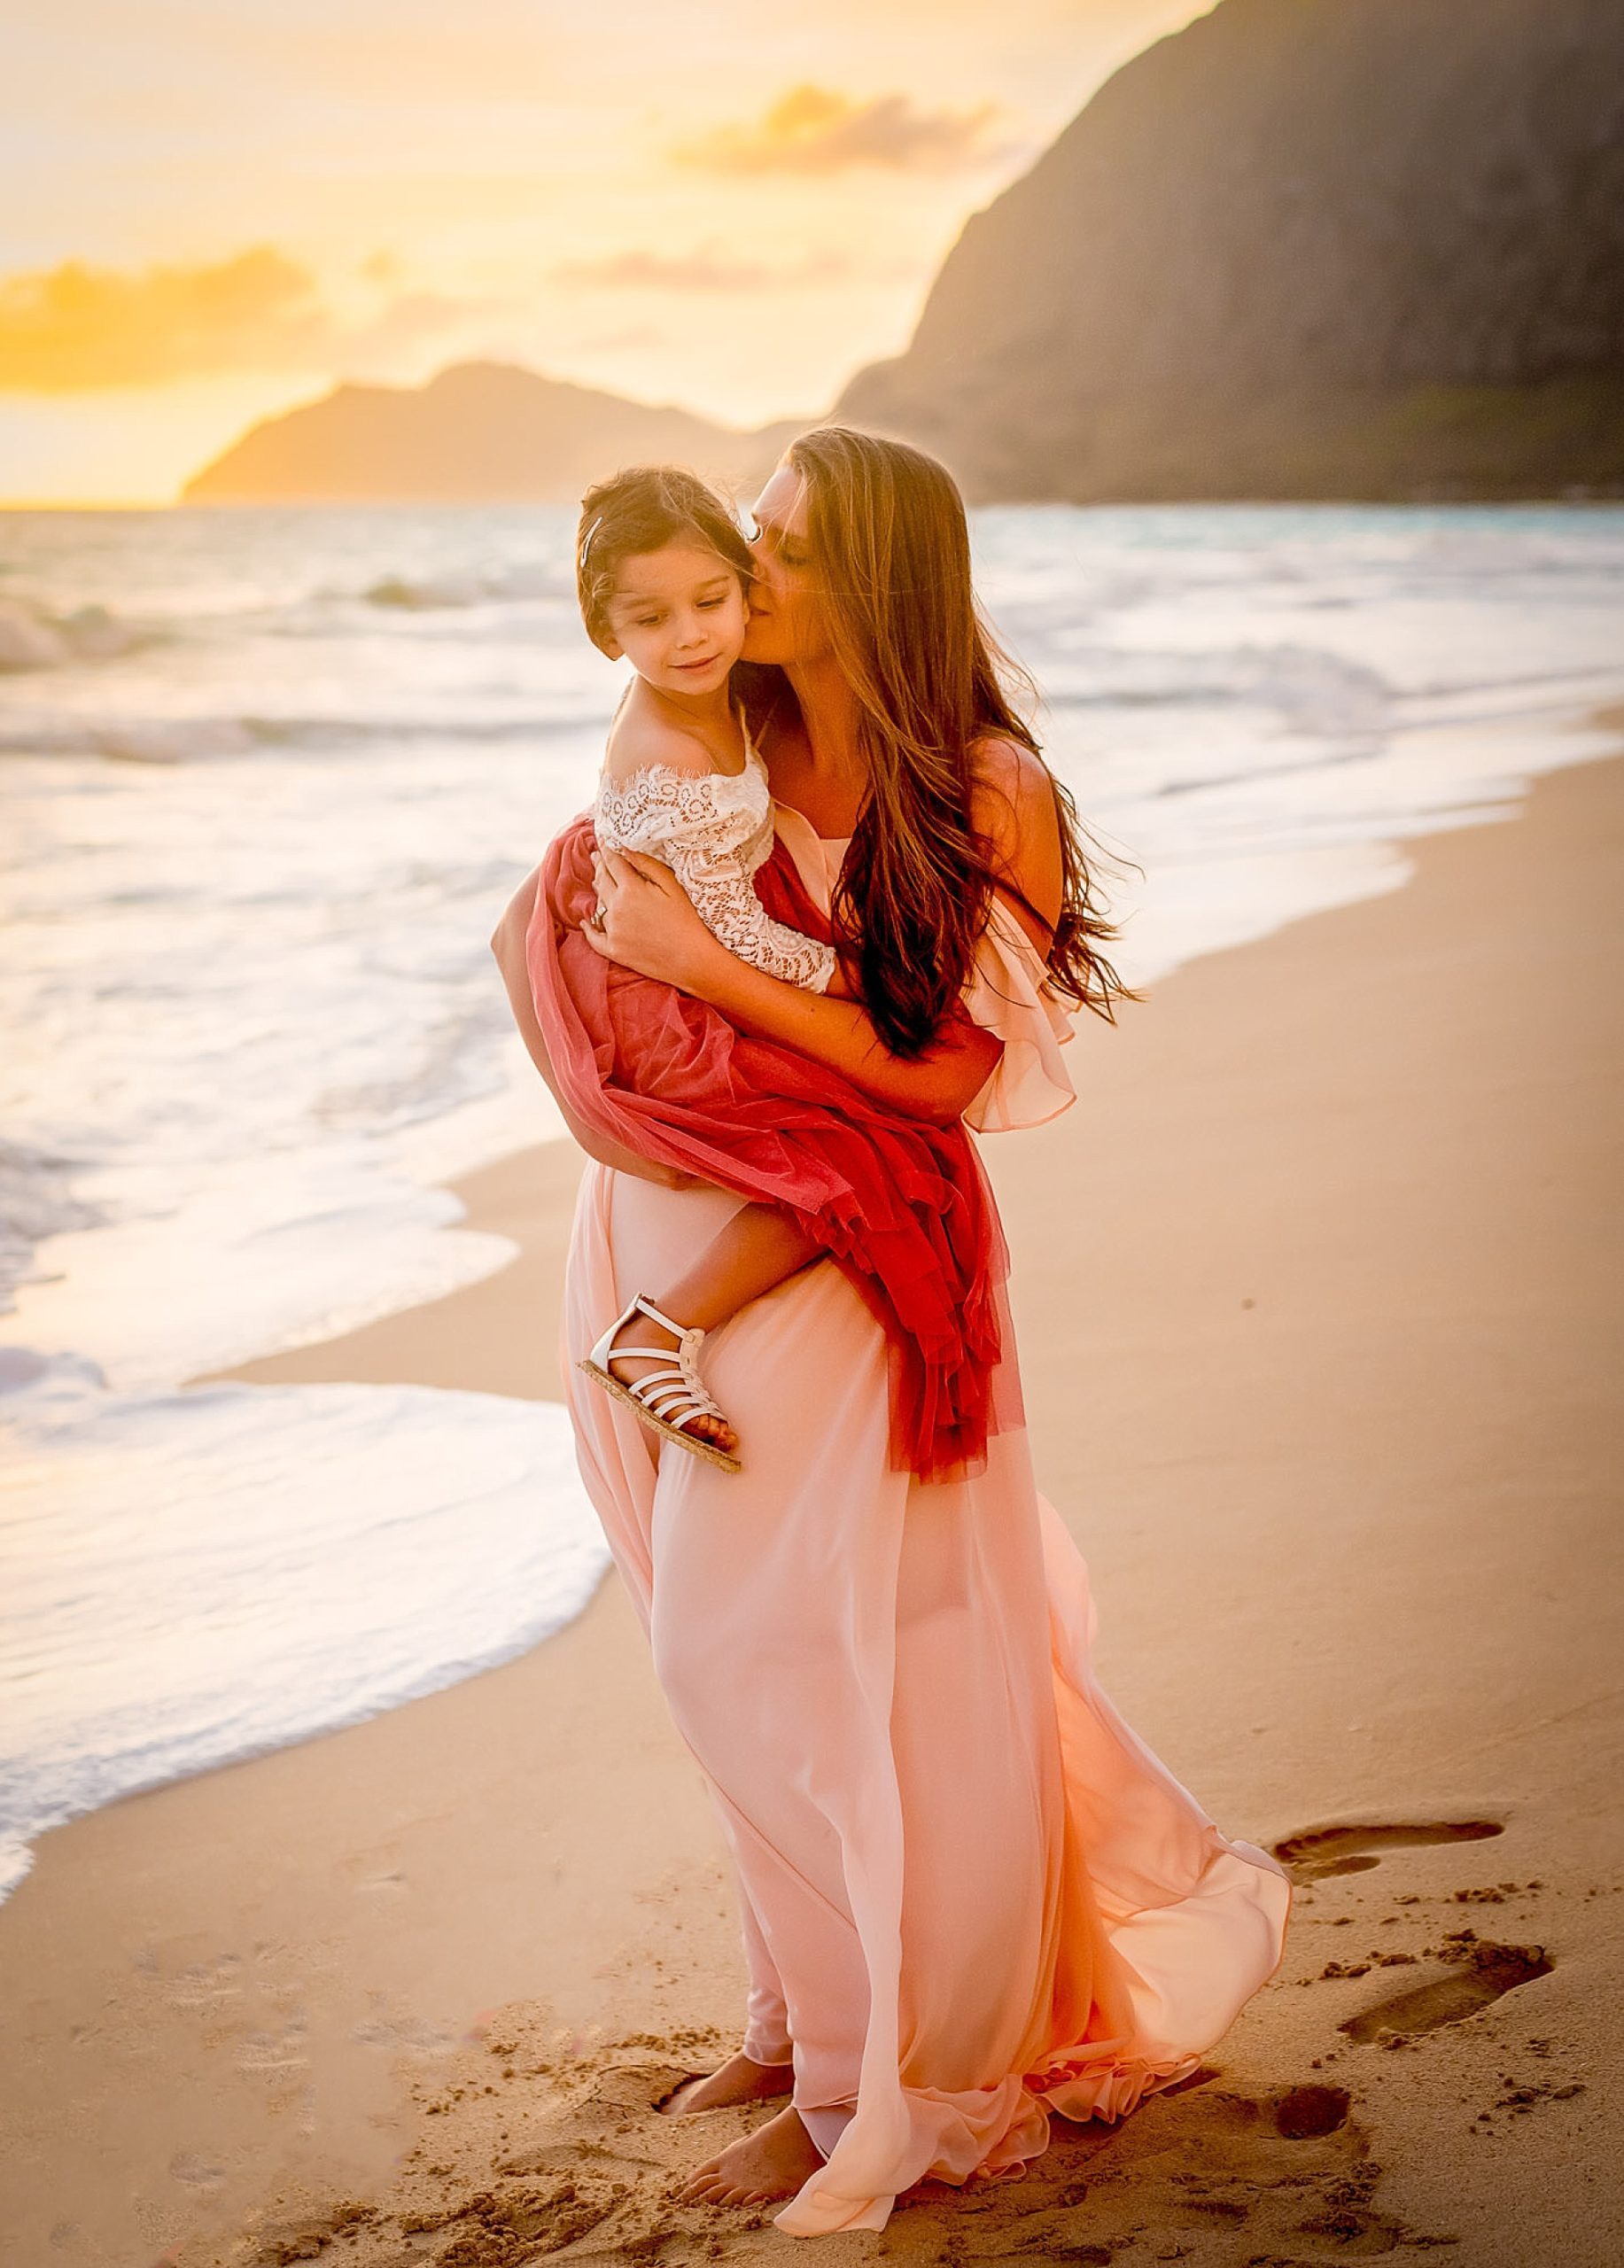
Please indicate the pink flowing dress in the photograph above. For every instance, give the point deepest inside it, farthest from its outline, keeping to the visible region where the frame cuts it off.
(970, 1896)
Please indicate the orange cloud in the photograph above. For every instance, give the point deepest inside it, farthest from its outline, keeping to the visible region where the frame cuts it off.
(76, 329)
(698, 271)
(812, 131)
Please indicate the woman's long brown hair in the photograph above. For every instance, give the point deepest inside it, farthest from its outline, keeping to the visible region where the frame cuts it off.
(888, 535)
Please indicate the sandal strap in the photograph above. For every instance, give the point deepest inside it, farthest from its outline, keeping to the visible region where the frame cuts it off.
(674, 1393)
(653, 1382)
(664, 1391)
(675, 1407)
(665, 1401)
(647, 1306)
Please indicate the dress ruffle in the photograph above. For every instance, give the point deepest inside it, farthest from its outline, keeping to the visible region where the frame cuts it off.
(1009, 993)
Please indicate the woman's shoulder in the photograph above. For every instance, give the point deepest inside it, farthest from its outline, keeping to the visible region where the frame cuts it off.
(1004, 765)
(1012, 808)
(1008, 992)
(1012, 793)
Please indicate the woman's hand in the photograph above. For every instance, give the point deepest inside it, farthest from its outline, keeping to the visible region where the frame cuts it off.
(648, 922)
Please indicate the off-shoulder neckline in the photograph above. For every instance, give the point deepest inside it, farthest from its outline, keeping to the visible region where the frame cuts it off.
(622, 786)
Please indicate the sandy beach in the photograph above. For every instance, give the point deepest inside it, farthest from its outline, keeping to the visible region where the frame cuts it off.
(1318, 1296)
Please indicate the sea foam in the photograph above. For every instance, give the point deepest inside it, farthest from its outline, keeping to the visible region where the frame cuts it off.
(193, 1578)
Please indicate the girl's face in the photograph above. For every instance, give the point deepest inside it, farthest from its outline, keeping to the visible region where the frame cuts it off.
(678, 614)
(787, 622)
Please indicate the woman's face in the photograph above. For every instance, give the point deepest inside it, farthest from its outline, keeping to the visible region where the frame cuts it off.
(787, 621)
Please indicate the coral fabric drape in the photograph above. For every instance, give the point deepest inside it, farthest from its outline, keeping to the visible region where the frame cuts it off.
(901, 1206)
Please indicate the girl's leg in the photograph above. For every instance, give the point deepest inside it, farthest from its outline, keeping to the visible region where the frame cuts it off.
(758, 1248)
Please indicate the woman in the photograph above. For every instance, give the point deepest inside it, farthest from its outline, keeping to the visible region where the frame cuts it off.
(970, 1896)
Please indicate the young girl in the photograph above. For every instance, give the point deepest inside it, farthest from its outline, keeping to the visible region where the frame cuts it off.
(662, 576)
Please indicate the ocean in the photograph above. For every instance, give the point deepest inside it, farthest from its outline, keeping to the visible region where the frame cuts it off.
(266, 778)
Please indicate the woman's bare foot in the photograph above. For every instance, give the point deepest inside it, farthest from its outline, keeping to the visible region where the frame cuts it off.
(642, 1331)
(737, 2080)
(772, 2162)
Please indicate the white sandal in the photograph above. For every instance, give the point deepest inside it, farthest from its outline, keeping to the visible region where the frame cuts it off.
(661, 1399)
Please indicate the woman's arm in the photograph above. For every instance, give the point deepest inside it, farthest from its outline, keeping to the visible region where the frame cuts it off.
(650, 926)
(507, 945)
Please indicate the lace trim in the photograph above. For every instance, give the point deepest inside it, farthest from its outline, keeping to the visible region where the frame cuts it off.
(623, 805)
(713, 829)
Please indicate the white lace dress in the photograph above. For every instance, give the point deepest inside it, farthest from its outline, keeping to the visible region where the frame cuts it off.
(713, 829)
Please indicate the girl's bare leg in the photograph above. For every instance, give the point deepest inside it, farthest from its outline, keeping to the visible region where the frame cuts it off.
(759, 1248)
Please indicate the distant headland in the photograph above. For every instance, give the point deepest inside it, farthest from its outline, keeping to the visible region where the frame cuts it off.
(477, 433)
(1300, 249)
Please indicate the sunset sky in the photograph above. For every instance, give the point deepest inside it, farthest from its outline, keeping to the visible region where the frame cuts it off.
(212, 212)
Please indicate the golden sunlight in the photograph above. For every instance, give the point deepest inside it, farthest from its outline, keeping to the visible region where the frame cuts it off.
(711, 207)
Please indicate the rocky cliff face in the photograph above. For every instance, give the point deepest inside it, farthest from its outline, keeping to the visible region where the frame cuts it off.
(1302, 247)
(480, 433)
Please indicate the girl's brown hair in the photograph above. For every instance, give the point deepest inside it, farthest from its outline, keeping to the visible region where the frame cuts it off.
(640, 510)
(891, 544)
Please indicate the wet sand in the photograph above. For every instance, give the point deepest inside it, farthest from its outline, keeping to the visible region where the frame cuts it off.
(1318, 1296)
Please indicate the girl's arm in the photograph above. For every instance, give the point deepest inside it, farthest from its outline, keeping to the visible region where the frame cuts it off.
(507, 945)
(650, 926)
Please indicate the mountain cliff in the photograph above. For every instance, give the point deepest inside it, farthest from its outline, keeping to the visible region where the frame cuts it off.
(1300, 248)
(479, 432)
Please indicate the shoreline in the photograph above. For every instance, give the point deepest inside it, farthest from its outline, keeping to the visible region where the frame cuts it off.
(1332, 1413)
(526, 1193)
(527, 1196)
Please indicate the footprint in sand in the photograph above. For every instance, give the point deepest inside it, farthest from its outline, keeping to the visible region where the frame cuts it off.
(267, 2054)
(1302, 2114)
(412, 2034)
(196, 2170)
(1203, 2177)
(1325, 1851)
(1481, 1974)
(207, 1986)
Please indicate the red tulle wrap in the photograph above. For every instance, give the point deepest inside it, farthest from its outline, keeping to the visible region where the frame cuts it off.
(900, 1205)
